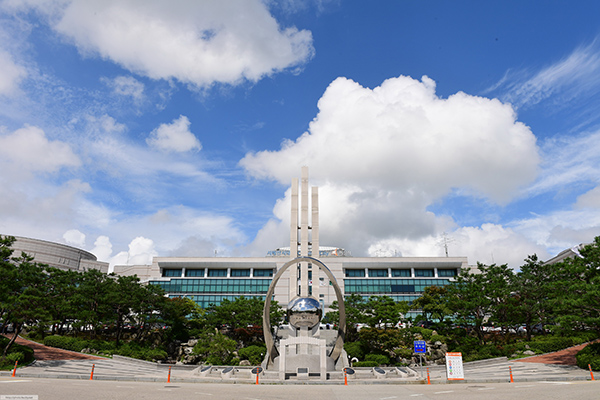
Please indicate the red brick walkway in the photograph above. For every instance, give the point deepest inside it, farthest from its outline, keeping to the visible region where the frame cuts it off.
(43, 353)
(563, 357)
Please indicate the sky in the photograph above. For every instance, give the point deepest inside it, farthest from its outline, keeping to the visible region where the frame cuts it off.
(139, 128)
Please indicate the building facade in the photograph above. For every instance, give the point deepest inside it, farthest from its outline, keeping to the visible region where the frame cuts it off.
(210, 280)
(57, 255)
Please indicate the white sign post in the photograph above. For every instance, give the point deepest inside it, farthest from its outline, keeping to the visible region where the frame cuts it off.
(454, 366)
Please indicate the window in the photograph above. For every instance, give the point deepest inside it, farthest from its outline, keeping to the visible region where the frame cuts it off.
(401, 272)
(446, 272)
(424, 272)
(378, 273)
(355, 273)
(240, 272)
(217, 272)
(194, 272)
(263, 272)
(171, 272)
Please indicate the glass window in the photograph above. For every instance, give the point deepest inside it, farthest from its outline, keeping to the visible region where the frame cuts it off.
(240, 272)
(401, 272)
(174, 272)
(217, 272)
(378, 273)
(447, 272)
(423, 272)
(194, 272)
(355, 273)
(263, 272)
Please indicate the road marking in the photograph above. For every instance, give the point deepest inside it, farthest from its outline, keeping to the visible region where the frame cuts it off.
(520, 386)
(488, 388)
(206, 394)
(444, 392)
(416, 394)
(385, 398)
(19, 380)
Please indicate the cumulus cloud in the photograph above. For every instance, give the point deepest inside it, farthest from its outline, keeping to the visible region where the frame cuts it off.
(75, 238)
(174, 137)
(401, 135)
(488, 244)
(382, 156)
(194, 42)
(29, 149)
(102, 248)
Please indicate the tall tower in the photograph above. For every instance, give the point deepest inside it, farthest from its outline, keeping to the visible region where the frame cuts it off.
(304, 237)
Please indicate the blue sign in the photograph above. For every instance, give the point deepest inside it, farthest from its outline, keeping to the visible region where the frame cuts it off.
(420, 346)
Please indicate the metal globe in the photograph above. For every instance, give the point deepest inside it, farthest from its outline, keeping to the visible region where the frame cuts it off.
(304, 312)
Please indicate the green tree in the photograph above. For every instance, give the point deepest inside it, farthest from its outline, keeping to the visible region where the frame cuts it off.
(61, 284)
(433, 303)
(215, 347)
(242, 317)
(384, 312)
(24, 300)
(469, 300)
(498, 288)
(90, 300)
(356, 307)
(576, 286)
(532, 293)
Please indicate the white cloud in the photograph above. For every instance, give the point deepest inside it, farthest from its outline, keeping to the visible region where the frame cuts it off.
(29, 149)
(11, 74)
(577, 76)
(487, 244)
(174, 137)
(127, 86)
(74, 238)
(402, 136)
(568, 160)
(392, 152)
(590, 199)
(102, 248)
(195, 42)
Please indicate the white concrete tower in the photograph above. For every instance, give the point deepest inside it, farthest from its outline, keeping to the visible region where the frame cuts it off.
(304, 235)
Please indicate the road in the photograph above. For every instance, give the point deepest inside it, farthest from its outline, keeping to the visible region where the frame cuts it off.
(60, 389)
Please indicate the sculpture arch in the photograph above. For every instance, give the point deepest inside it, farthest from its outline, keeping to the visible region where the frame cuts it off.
(270, 343)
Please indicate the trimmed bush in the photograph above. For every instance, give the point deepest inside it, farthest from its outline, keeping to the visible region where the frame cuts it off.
(589, 355)
(254, 354)
(366, 364)
(380, 359)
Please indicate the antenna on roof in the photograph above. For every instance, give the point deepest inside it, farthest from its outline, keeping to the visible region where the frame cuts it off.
(445, 241)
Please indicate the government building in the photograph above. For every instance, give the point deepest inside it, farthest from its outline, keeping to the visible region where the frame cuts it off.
(210, 280)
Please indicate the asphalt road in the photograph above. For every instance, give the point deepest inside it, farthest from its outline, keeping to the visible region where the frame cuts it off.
(60, 389)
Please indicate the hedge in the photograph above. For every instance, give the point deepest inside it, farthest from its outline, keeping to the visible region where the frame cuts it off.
(589, 355)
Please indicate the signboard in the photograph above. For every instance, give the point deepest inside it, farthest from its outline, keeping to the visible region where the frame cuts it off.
(454, 366)
(420, 346)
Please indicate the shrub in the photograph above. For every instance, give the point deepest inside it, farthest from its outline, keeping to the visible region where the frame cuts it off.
(589, 355)
(254, 354)
(356, 349)
(380, 359)
(438, 338)
(366, 364)
(65, 342)
(548, 344)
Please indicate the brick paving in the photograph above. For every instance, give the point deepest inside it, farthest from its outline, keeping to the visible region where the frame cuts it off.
(563, 357)
(45, 353)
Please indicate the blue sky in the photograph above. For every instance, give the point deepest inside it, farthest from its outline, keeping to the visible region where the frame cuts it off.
(139, 128)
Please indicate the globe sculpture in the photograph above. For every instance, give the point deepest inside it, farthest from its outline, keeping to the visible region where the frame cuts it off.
(304, 312)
